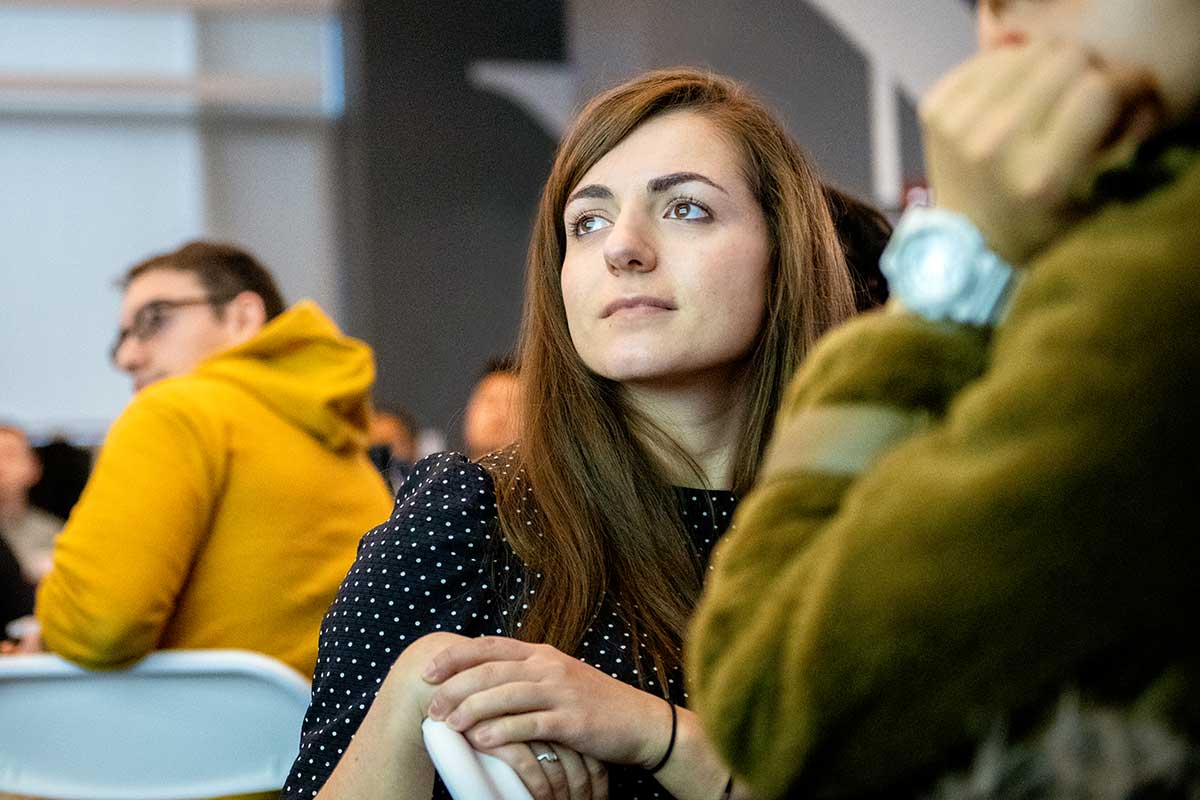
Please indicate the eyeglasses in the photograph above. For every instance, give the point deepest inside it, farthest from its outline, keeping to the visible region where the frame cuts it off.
(150, 319)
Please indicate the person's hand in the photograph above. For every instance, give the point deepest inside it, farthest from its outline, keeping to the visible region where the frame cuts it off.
(1014, 137)
(29, 643)
(569, 776)
(499, 691)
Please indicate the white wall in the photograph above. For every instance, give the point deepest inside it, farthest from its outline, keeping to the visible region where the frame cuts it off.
(126, 132)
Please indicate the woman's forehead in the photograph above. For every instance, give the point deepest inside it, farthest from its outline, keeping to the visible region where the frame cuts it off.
(673, 142)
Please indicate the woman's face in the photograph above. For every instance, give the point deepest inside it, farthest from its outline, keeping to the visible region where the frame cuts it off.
(665, 274)
(1156, 38)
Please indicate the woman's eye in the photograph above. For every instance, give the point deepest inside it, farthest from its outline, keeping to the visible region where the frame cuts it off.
(685, 209)
(589, 224)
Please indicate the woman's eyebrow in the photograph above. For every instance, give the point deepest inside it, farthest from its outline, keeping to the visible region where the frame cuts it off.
(653, 186)
(665, 182)
(592, 190)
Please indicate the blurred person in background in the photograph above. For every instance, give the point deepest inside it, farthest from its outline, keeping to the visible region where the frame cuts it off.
(65, 470)
(492, 418)
(863, 231)
(229, 496)
(16, 592)
(393, 444)
(984, 500)
(28, 531)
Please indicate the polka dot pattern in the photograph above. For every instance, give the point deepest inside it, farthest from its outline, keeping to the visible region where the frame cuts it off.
(440, 562)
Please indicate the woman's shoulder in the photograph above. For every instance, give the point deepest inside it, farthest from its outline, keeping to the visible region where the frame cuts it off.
(446, 495)
(441, 469)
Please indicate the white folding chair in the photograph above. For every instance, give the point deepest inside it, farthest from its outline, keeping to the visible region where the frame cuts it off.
(467, 773)
(177, 725)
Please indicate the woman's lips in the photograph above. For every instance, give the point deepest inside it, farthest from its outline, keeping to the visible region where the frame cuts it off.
(639, 304)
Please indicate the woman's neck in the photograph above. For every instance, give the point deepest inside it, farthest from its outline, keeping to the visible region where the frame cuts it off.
(702, 415)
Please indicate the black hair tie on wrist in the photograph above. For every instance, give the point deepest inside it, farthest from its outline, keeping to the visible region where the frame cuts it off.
(670, 744)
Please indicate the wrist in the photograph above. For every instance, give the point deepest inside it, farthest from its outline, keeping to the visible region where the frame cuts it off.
(407, 694)
(694, 769)
(659, 740)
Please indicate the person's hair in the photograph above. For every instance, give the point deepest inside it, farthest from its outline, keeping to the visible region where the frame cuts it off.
(222, 269)
(402, 415)
(498, 364)
(863, 231)
(607, 522)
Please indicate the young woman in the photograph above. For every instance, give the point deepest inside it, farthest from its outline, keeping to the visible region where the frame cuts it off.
(683, 261)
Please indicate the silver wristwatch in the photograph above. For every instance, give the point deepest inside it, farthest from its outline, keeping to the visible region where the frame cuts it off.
(938, 265)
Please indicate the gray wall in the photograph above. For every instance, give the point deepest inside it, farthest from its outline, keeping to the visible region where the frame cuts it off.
(444, 179)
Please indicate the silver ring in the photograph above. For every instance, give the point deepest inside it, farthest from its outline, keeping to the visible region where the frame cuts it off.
(547, 756)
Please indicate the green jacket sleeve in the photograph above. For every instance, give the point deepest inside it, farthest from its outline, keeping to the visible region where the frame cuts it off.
(858, 626)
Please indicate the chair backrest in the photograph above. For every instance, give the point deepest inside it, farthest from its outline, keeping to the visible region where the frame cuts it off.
(468, 773)
(177, 725)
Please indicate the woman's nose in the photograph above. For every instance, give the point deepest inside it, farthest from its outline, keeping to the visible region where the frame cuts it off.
(629, 246)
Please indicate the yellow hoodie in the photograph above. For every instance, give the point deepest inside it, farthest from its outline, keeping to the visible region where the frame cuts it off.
(226, 505)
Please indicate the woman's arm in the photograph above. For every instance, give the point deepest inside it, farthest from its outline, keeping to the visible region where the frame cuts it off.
(499, 690)
(421, 580)
(386, 758)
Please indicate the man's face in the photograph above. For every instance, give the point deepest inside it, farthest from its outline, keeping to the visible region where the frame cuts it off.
(167, 327)
(19, 468)
(1139, 41)
(491, 419)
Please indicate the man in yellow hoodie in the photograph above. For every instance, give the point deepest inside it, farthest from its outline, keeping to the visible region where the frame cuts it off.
(231, 493)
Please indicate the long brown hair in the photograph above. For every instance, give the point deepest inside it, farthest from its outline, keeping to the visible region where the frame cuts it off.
(606, 519)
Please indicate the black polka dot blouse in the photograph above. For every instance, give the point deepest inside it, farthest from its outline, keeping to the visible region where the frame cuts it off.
(440, 563)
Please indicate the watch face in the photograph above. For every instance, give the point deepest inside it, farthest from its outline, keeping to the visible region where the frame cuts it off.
(936, 271)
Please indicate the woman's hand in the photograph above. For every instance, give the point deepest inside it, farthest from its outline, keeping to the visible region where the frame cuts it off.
(568, 776)
(1014, 137)
(499, 691)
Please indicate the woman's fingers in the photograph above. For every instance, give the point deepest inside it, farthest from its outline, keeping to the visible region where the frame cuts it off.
(598, 775)
(587, 777)
(479, 678)
(526, 727)
(504, 700)
(473, 652)
(561, 772)
(523, 759)
(553, 771)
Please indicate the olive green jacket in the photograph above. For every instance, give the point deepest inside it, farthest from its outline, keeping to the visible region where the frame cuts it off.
(951, 526)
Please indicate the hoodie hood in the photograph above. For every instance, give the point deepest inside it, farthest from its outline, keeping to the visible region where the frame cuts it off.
(308, 371)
